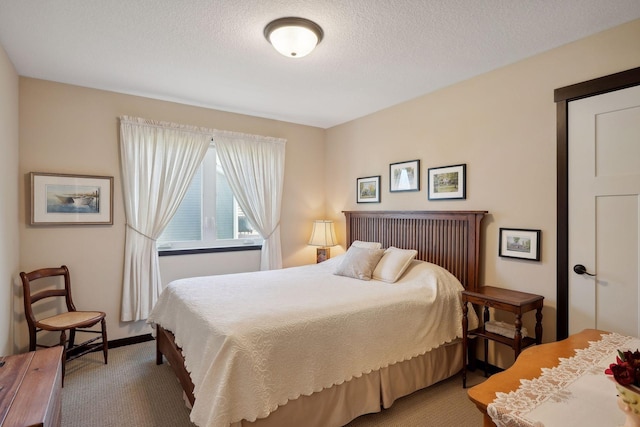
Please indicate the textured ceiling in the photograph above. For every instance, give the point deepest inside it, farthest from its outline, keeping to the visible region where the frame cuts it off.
(212, 53)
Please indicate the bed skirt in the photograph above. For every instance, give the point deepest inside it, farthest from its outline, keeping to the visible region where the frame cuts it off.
(338, 405)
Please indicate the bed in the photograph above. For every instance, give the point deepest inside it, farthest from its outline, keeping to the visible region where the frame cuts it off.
(322, 359)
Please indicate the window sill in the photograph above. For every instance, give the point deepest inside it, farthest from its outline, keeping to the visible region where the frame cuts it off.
(173, 252)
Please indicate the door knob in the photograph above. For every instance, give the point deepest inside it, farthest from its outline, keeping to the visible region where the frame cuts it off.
(581, 269)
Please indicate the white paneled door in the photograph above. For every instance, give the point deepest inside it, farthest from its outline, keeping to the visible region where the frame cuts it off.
(604, 212)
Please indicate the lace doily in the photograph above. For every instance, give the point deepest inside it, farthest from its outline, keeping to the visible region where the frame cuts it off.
(512, 409)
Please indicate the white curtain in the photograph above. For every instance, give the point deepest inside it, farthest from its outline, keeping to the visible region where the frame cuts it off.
(158, 161)
(254, 167)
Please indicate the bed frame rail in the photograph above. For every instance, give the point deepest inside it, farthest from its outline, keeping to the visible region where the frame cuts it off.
(166, 345)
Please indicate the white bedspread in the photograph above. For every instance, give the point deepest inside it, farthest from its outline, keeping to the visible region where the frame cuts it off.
(253, 341)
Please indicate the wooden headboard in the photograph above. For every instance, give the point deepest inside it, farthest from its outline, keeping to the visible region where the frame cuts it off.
(450, 239)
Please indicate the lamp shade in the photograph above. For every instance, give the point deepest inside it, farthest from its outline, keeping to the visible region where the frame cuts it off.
(323, 234)
(293, 37)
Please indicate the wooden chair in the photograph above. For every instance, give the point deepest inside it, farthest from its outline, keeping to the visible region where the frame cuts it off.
(71, 319)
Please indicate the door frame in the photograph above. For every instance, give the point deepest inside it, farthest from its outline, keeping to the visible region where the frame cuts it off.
(562, 96)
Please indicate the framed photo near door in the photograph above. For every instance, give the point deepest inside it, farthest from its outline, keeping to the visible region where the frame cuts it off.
(519, 243)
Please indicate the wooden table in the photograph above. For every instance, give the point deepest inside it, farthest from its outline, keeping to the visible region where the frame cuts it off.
(515, 302)
(528, 366)
(30, 388)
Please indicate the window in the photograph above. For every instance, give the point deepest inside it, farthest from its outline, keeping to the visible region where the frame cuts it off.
(209, 215)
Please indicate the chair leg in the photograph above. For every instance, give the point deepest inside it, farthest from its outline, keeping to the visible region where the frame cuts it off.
(72, 338)
(105, 344)
(63, 338)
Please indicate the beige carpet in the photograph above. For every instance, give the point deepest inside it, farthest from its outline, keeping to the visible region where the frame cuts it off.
(133, 391)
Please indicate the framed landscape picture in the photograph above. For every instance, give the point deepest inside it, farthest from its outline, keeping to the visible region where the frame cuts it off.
(71, 199)
(404, 176)
(447, 182)
(519, 243)
(368, 189)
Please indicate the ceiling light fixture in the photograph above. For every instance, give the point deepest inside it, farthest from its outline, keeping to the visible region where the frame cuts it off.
(293, 37)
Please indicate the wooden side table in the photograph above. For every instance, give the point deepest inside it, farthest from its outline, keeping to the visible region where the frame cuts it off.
(529, 366)
(500, 299)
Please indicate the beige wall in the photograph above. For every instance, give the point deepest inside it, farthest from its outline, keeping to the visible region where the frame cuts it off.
(503, 126)
(70, 129)
(9, 243)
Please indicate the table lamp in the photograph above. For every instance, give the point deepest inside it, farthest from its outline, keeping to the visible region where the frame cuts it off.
(323, 235)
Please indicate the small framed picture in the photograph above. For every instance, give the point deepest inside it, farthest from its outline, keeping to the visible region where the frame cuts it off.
(448, 182)
(368, 189)
(71, 199)
(404, 176)
(519, 243)
(322, 254)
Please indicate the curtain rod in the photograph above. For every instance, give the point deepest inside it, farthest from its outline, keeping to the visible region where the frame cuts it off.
(195, 129)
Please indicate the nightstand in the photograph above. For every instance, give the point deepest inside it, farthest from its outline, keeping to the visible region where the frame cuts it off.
(500, 299)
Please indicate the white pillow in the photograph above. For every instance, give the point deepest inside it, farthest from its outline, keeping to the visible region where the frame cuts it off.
(366, 245)
(393, 263)
(359, 263)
